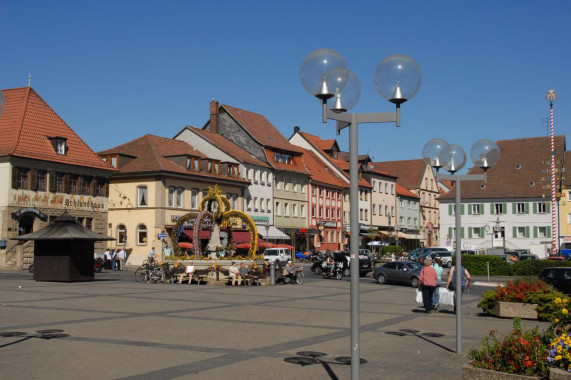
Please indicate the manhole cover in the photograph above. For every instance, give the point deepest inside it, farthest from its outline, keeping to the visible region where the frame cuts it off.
(347, 360)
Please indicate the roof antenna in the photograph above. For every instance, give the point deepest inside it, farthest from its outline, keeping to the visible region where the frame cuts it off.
(29, 79)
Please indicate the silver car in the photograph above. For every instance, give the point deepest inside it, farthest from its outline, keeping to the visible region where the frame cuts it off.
(404, 272)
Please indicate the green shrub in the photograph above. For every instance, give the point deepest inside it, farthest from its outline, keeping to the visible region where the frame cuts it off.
(387, 249)
(535, 267)
(476, 265)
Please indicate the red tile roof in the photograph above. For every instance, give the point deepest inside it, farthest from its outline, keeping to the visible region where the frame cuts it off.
(150, 154)
(261, 129)
(228, 147)
(409, 172)
(319, 172)
(522, 161)
(295, 166)
(26, 124)
(340, 163)
(401, 190)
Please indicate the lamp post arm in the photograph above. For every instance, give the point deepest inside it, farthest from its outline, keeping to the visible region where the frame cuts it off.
(346, 117)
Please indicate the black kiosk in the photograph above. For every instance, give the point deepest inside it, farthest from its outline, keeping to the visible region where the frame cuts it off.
(63, 251)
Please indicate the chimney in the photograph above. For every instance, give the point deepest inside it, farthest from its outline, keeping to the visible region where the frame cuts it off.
(296, 129)
(214, 116)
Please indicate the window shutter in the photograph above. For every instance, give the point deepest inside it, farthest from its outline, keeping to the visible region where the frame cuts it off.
(14, 178)
(461, 209)
(482, 232)
(469, 209)
(482, 209)
(462, 232)
(470, 232)
(449, 209)
(449, 232)
(534, 231)
(535, 207)
(52, 182)
(106, 189)
(33, 179)
(549, 232)
(66, 183)
(527, 208)
(514, 210)
(93, 187)
(515, 232)
(492, 209)
(527, 231)
(548, 206)
(80, 185)
(505, 208)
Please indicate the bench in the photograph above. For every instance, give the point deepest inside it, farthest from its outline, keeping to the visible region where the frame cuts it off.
(199, 276)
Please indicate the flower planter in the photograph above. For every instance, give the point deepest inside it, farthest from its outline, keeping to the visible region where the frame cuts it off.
(471, 373)
(514, 309)
(559, 374)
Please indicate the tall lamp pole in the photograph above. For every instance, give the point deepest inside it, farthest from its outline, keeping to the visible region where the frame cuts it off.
(438, 153)
(551, 97)
(324, 74)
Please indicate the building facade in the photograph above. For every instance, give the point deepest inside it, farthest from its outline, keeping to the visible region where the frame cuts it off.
(45, 169)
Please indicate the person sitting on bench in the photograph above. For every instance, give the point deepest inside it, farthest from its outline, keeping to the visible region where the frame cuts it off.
(244, 273)
(189, 271)
(234, 274)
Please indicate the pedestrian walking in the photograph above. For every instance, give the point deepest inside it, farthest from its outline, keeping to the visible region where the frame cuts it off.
(427, 283)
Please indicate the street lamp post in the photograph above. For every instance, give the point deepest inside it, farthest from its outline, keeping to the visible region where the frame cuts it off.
(324, 74)
(438, 153)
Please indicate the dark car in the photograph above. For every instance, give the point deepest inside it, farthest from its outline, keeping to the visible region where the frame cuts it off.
(365, 263)
(528, 257)
(559, 277)
(403, 272)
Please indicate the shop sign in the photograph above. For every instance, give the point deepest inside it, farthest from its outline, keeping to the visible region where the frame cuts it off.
(328, 224)
(29, 210)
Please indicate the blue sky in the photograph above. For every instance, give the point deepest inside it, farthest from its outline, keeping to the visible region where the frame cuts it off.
(115, 71)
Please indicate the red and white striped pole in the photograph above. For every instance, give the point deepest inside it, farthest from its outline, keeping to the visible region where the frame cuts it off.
(551, 97)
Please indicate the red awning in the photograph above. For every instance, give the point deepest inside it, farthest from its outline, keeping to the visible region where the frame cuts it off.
(203, 234)
(241, 237)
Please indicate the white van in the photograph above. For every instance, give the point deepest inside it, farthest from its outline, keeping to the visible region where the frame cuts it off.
(282, 255)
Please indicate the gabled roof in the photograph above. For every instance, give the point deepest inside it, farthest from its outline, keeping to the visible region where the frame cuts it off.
(338, 162)
(409, 172)
(522, 161)
(228, 147)
(373, 169)
(261, 129)
(150, 154)
(26, 125)
(403, 192)
(295, 166)
(319, 172)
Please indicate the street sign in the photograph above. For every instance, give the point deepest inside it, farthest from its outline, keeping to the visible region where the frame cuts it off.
(161, 236)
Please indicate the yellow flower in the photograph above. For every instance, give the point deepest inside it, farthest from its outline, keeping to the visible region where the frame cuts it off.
(557, 300)
(558, 357)
(559, 349)
(556, 320)
(564, 311)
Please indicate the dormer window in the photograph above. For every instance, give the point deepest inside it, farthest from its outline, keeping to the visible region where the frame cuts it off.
(193, 164)
(59, 144)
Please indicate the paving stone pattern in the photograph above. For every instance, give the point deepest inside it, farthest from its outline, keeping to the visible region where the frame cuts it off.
(115, 328)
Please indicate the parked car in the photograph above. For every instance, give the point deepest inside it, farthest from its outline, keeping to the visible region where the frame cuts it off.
(559, 277)
(365, 263)
(528, 257)
(282, 255)
(433, 252)
(403, 272)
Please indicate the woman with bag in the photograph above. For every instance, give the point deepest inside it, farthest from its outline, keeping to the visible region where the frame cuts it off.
(427, 283)
(464, 280)
(437, 265)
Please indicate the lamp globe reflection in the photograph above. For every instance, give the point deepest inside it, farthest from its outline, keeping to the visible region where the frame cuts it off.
(434, 152)
(454, 158)
(398, 78)
(322, 72)
(347, 98)
(485, 154)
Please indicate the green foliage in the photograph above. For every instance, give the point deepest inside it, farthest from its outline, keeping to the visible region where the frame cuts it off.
(476, 265)
(519, 352)
(387, 249)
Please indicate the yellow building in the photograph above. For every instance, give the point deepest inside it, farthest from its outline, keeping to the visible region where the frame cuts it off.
(158, 181)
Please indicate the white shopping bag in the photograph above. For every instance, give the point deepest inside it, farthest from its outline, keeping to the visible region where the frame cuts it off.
(446, 297)
(418, 296)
